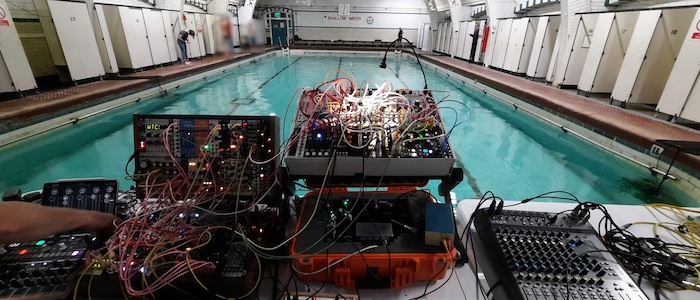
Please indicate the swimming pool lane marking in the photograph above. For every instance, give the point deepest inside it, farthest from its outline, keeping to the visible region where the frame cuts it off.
(340, 62)
(273, 76)
(472, 182)
(397, 76)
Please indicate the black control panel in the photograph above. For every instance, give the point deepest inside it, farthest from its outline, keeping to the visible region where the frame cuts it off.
(537, 255)
(96, 195)
(40, 269)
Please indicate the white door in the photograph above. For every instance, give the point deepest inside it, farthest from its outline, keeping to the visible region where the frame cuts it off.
(636, 53)
(109, 60)
(514, 48)
(157, 39)
(682, 84)
(77, 37)
(169, 21)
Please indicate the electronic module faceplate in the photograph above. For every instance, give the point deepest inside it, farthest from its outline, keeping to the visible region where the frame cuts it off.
(396, 133)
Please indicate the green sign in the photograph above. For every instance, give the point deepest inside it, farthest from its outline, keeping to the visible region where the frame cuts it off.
(278, 15)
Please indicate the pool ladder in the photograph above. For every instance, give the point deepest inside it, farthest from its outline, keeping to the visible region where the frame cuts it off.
(285, 50)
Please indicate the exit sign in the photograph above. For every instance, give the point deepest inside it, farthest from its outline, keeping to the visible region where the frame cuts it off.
(278, 15)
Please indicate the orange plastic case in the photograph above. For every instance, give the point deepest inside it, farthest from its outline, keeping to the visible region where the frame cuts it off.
(411, 260)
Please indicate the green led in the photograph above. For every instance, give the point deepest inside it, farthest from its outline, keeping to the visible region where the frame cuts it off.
(346, 202)
(40, 242)
(420, 135)
(206, 146)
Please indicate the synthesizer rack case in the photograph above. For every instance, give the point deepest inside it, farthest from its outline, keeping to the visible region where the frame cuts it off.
(411, 259)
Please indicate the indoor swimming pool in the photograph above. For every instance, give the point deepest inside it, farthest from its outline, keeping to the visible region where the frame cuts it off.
(502, 150)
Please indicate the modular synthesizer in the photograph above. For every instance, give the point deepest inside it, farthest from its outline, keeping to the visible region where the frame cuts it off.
(236, 155)
(538, 255)
(373, 132)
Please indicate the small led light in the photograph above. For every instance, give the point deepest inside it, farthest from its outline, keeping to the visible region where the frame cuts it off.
(188, 249)
(192, 164)
(233, 146)
(240, 137)
(262, 175)
(75, 253)
(181, 215)
(23, 252)
(40, 242)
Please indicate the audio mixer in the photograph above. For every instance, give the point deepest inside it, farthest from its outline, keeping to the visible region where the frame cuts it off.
(212, 151)
(538, 255)
(382, 133)
(40, 269)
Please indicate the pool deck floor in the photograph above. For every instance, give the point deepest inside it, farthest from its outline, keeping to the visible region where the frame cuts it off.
(35, 107)
(636, 128)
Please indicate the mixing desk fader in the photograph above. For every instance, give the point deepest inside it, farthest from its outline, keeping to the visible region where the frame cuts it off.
(40, 269)
(548, 256)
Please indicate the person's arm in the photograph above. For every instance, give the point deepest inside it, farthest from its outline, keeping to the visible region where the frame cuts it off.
(20, 221)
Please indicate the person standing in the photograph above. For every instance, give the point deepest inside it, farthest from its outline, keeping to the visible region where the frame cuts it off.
(475, 40)
(182, 41)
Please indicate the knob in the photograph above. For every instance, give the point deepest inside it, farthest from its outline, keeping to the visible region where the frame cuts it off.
(41, 281)
(23, 273)
(15, 283)
(55, 280)
(28, 282)
(36, 273)
(62, 246)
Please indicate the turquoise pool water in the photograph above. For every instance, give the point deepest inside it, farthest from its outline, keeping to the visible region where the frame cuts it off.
(503, 150)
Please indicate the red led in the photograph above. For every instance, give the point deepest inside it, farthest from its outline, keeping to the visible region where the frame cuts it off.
(233, 146)
(245, 124)
(142, 145)
(23, 252)
(240, 136)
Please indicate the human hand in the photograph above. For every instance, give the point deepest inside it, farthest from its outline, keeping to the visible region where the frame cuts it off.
(101, 223)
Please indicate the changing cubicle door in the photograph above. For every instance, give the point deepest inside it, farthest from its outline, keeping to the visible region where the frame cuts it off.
(490, 44)
(610, 42)
(136, 37)
(438, 37)
(516, 40)
(193, 47)
(501, 45)
(681, 96)
(553, 61)
(651, 55)
(209, 35)
(15, 70)
(157, 40)
(528, 44)
(569, 74)
(104, 42)
(169, 23)
(461, 39)
(450, 39)
(467, 49)
(480, 41)
(636, 53)
(446, 38)
(543, 46)
(75, 30)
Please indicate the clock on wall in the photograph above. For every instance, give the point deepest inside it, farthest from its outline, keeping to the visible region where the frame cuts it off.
(370, 20)
(344, 9)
